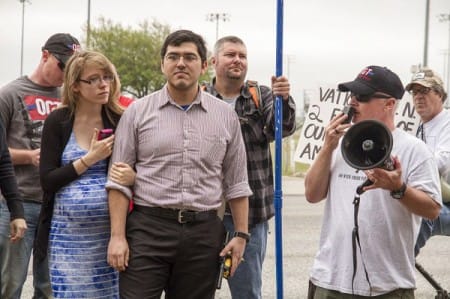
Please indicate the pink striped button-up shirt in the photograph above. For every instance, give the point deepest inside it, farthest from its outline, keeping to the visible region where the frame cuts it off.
(183, 159)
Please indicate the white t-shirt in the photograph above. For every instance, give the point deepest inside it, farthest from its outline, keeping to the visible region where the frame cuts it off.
(387, 230)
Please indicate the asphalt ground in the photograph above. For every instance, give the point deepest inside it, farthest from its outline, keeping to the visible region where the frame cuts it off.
(301, 223)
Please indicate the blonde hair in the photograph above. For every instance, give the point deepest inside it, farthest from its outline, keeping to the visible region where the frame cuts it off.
(72, 74)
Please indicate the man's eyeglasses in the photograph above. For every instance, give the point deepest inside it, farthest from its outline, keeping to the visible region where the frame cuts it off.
(175, 57)
(366, 98)
(61, 64)
(98, 80)
(421, 90)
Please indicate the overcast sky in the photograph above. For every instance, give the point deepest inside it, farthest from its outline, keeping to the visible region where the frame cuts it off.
(325, 41)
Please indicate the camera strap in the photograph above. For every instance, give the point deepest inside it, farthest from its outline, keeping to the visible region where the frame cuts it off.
(356, 242)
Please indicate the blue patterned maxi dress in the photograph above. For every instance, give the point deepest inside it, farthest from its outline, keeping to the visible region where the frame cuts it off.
(79, 234)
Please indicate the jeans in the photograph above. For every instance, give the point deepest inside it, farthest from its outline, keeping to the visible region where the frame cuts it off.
(438, 227)
(246, 282)
(15, 257)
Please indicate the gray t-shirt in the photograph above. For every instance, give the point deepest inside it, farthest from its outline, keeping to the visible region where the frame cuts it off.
(24, 106)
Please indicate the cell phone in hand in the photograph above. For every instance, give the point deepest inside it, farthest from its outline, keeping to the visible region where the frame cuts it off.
(104, 133)
(349, 111)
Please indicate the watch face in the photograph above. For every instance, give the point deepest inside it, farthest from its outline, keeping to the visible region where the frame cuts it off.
(398, 194)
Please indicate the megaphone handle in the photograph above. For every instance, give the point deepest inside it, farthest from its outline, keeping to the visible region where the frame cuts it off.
(360, 190)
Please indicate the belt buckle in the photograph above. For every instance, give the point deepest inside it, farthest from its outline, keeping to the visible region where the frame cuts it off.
(181, 217)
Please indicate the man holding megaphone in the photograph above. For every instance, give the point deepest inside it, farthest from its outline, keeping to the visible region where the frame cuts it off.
(367, 239)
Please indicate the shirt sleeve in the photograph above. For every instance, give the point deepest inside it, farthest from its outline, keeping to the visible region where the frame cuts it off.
(235, 164)
(425, 176)
(53, 175)
(289, 110)
(124, 147)
(8, 183)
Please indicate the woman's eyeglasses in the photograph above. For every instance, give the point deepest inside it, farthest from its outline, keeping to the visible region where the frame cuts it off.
(97, 80)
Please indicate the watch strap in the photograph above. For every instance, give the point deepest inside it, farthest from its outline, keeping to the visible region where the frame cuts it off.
(398, 194)
(242, 235)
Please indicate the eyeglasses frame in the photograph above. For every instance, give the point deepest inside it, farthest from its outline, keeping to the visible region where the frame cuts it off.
(106, 78)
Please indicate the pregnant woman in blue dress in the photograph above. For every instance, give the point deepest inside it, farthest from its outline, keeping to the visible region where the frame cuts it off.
(74, 220)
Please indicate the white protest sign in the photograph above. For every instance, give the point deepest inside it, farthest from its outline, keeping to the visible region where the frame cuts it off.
(329, 102)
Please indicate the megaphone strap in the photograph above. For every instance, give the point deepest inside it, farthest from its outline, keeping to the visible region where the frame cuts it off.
(356, 242)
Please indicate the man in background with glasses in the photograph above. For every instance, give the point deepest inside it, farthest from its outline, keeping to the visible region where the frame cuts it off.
(427, 90)
(24, 105)
(390, 209)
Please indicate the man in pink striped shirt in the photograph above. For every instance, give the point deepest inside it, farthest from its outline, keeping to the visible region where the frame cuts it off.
(187, 150)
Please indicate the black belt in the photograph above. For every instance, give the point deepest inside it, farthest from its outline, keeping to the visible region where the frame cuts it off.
(182, 216)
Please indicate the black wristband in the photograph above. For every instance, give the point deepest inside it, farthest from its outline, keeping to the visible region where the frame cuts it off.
(398, 194)
(242, 235)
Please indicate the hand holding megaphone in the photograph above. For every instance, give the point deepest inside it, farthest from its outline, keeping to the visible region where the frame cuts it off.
(367, 146)
(388, 179)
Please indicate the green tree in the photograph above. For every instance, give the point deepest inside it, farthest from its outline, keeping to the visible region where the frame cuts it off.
(135, 53)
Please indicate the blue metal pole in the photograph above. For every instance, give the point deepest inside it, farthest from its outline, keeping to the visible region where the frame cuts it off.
(278, 193)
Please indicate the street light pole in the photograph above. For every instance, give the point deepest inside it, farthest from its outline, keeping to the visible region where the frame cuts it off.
(446, 18)
(216, 17)
(88, 28)
(22, 38)
(425, 46)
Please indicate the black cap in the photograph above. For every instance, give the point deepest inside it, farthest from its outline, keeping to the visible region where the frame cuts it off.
(375, 79)
(62, 45)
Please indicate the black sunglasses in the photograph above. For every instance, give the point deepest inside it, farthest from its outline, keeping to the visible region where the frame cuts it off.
(61, 64)
(367, 97)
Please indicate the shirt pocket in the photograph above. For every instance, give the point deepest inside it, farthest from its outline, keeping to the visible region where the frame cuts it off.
(212, 149)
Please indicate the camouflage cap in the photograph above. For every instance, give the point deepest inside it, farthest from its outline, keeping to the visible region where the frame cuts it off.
(425, 77)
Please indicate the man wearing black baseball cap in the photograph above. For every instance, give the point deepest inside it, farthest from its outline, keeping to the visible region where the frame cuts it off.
(390, 209)
(62, 46)
(374, 79)
(24, 105)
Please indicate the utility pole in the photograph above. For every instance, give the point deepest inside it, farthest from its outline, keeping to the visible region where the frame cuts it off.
(23, 34)
(216, 17)
(446, 18)
(88, 27)
(427, 23)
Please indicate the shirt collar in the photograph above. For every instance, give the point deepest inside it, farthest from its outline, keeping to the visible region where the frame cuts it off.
(168, 100)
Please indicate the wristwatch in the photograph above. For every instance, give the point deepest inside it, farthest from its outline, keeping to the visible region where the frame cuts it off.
(242, 235)
(398, 194)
